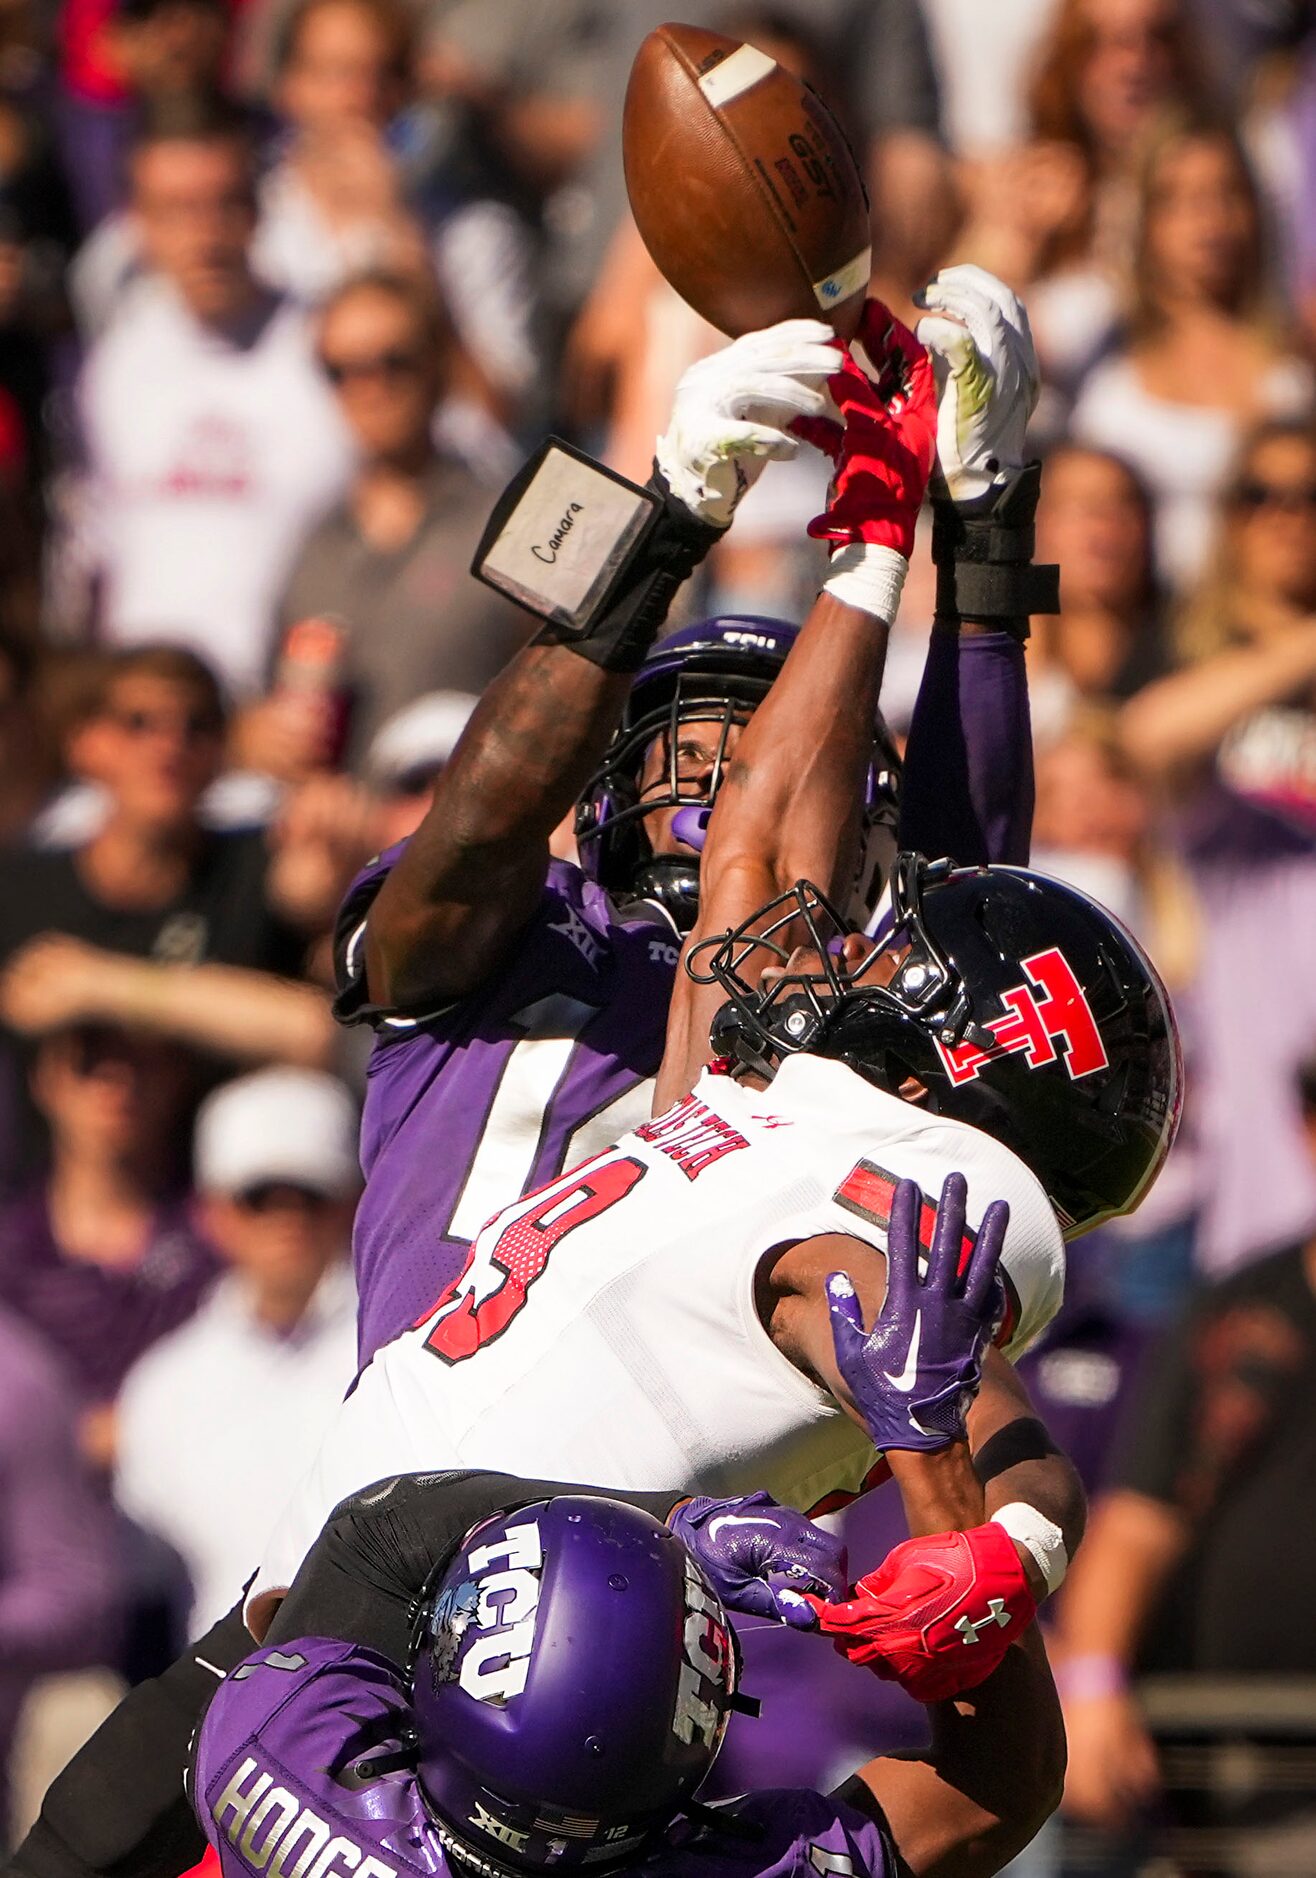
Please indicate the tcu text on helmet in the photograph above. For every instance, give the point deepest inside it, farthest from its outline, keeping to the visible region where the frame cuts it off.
(706, 1667)
(275, 1834)
(506, 1572)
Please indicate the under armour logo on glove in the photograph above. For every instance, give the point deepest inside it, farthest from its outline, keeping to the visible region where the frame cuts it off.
(938, 1614)
(914, 1374)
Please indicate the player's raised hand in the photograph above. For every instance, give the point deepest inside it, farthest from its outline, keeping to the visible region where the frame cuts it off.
(764, 1560)
(914, 1374)
(881, 437)
(733, 411)
(987, 378)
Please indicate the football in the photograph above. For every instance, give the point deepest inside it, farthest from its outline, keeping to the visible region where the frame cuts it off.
(742, 185)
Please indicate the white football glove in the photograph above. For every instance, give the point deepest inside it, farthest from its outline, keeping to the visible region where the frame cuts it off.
(987, 378)
(732, 410)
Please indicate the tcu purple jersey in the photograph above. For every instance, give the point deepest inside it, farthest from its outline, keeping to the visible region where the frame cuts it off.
(283, 1787)
(491, 1097)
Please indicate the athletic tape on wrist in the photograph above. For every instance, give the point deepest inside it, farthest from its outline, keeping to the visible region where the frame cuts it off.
(866, 575)
(1040, 1537)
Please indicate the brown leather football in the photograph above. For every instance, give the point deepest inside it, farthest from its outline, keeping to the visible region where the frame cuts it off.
(742, 185)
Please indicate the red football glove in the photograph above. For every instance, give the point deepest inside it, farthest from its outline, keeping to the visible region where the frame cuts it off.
(938, 1613)
(887, 397)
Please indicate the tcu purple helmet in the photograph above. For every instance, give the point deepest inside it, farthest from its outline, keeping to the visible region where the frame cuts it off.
(716, 671)
(572, 1681)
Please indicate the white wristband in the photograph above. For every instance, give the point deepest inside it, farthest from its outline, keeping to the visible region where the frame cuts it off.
(865, 575)
(1043, 1541)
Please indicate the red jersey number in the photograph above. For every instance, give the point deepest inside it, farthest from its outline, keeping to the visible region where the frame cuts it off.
(508, 1255)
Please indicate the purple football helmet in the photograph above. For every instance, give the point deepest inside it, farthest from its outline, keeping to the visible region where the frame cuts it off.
(716, 671)
(572, 1683)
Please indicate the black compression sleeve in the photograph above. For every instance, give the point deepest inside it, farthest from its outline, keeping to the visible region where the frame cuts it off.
(119, 1806)
(379, 1549)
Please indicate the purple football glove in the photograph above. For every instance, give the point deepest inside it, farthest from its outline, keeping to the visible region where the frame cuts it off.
(761, 1558)
(914, 1374)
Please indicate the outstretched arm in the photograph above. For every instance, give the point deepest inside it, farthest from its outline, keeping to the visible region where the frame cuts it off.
(790, 806)
(967, 789)
(471, 875)
(473, 872)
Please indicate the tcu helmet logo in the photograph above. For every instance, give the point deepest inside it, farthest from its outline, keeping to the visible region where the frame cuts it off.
(706, 1648)
(1047, 1010)
(506, 1577)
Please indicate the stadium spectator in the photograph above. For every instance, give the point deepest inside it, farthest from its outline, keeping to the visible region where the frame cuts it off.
(408, 756)
(58, 1587)
(218, 1422)
(151, 881)
(1200, 360)
(334, 204)
(1094, 521)
(211, 439)
(1177, 1571)
(1051, 213)
(99, 1255)
(329, 826)
(392, 561)
(1243, 699)
(118, 56)
(162, 52)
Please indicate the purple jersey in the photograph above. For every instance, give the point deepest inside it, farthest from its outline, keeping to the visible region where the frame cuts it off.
(545, 1064)
(551, 1059)
(283, 1787)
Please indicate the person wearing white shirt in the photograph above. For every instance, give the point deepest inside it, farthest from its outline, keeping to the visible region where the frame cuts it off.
(220, 1419)
(212, 440)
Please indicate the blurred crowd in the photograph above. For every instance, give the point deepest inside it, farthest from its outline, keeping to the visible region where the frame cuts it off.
(287, 287)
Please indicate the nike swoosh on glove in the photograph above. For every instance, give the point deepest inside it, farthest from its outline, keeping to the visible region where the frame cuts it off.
(914, 1374)
(938, 1614)
(762, 1559)
(884, 446)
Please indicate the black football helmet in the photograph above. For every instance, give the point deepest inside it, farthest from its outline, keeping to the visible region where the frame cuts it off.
(1020, 1005)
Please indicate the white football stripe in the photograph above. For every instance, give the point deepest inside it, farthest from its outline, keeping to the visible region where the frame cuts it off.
(737, 72)
(845, 281)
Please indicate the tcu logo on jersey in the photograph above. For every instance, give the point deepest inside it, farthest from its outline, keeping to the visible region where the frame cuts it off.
(506, 1578)
(706, 1647)
(1049, 1009)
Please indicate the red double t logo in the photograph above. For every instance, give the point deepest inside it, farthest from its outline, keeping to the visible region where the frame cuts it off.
(1046, 1011)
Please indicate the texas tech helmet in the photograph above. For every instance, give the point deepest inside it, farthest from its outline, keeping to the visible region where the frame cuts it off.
(571, 1687)
(1018, 1004)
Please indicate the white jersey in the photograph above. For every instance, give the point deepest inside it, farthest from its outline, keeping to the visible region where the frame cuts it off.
(209, 461)
(604, 1330)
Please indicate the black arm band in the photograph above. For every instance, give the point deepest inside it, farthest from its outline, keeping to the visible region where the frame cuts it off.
(620, 634)
(1023, 1440)
(597, 557)
(983, 552)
